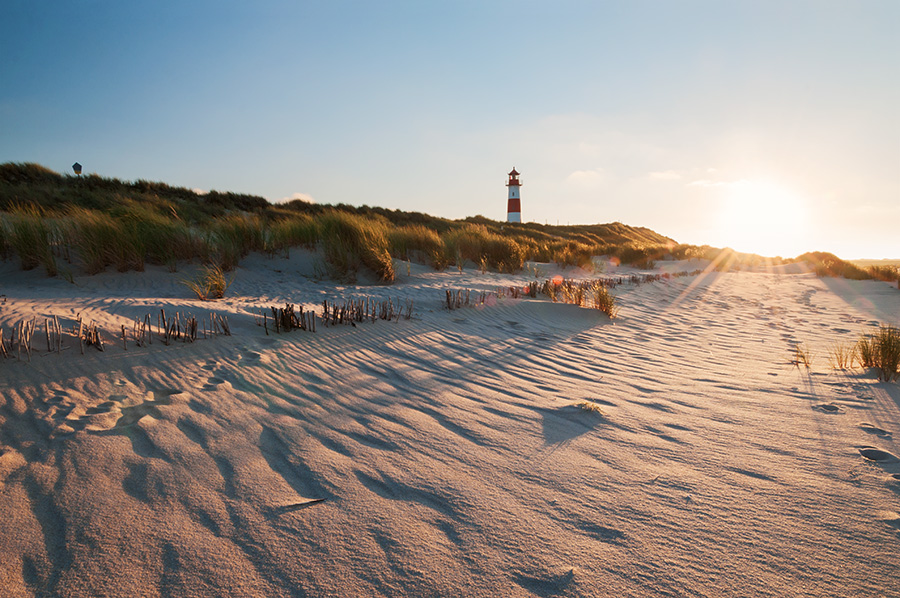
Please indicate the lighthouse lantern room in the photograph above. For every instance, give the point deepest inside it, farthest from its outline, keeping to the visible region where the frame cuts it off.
(514, 205)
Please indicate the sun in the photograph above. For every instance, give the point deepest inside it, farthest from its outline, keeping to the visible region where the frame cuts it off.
(762, 217)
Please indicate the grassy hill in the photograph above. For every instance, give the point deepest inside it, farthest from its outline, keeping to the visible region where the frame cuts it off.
(93, 223)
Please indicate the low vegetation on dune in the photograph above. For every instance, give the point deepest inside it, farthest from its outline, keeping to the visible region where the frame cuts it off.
(881, 351)
(60, 222)
(829, 265)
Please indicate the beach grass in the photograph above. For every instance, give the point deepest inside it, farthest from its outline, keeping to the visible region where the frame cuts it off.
(234, 237)
(601, 298)
(350, 241)
(209, 284)
(416, 242)
(802, 356)
(291, 231)
(841, 356)
(30, 236)
(475, 243)
(590, 407)
(881, 351)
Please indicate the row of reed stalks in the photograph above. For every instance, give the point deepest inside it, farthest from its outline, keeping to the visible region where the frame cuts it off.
(185, 328)
(287, 318)
(352, 311)
(21, 340)
(594, 293)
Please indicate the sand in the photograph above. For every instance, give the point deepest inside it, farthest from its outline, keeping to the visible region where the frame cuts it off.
(447, 454)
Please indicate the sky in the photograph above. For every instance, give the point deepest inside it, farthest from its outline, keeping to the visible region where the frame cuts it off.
(767, 126)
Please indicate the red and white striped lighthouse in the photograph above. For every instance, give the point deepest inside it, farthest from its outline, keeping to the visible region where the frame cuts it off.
(514, 205)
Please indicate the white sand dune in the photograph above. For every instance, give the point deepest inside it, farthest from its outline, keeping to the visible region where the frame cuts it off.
(446, 455)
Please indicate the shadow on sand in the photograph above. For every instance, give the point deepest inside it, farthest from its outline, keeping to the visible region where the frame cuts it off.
(563, 424)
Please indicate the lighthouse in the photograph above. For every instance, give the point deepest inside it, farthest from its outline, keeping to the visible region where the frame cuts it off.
(514, 205)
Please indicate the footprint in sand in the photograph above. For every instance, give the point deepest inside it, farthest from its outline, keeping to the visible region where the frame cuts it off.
(57, 396)
(133, 414)
(827, 408)
(873, 430)
(212, 383)
(254, 357)
(875, 454)
(890, 518)
(111, 414)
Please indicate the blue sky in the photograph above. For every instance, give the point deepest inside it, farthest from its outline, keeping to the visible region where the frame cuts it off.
(765, 126)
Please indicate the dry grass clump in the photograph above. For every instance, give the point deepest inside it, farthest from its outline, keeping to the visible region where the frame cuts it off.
(590, 407)
(882, 352)
(600, 298)
(586, 293)
(209, 284)
(841, 356)
(350, 241)
(802, 356)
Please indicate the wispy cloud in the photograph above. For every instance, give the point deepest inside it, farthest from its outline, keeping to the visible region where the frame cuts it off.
(301, 196)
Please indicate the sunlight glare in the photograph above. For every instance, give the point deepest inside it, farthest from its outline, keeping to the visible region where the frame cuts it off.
(764, 218)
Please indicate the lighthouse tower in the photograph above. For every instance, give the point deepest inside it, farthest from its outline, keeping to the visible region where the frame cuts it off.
(514, 205)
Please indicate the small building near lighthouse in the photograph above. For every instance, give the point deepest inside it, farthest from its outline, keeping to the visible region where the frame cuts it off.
(514, 203)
